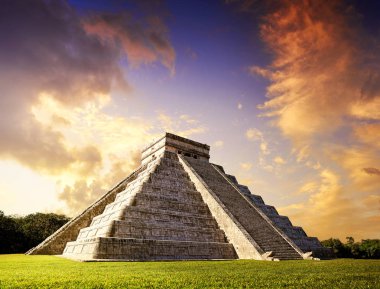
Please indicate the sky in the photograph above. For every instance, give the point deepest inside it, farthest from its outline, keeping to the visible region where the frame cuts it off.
(286, 93)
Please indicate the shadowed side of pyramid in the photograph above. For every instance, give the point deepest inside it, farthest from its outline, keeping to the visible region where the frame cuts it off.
(270, 231)
(176, 206)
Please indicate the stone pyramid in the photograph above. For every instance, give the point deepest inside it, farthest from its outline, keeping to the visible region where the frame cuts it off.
(177, 205)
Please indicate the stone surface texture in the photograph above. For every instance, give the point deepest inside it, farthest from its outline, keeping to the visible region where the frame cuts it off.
(179, 206)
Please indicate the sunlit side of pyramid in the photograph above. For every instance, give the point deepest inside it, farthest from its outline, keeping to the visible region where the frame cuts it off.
(177, 205)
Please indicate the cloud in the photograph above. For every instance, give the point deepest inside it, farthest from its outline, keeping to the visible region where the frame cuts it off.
(218, 143)
(266, 166)
(184, 125)
(188, 119)
(308, 188)
(107, 149)
(45, 50)
(324, 96)
(82, 193)
(58, 71)
(320, 73)
(360, 167)
(367, 134)
(372, 171)
(372, 202)
(246, 166)
(253, 134)
(330, 211)
(143, 42)
(279, 160)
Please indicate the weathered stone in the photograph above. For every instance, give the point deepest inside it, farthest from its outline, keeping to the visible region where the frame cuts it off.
(177, 205)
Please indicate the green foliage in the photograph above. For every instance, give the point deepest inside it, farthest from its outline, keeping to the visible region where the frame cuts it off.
(366, 249)
(18, 234)
(18, 271)
(372, 248)
(337, 246)
(11, 237)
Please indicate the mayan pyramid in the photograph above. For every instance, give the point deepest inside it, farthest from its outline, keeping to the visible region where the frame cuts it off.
(178, 205)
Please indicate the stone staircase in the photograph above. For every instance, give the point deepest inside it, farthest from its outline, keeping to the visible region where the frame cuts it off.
(267, 237)
(295, 233)
(159, 216)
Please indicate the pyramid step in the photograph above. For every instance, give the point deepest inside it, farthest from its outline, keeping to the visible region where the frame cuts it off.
(170, 163)
(144, 200)
(308, 243)
(287, 257)
(190, 199)
(119, 203)
(148, 197)
(150, 214)
(152, 230)
(156, 231)
(171, 172)
(139, 249)
(270, 211)
(137, 182)
(106, 217)
(101, 230)
(159, 215)
(164, 183)
(184, 193)
(127, 193)
(294, 233)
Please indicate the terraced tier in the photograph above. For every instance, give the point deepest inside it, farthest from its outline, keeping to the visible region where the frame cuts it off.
(130, 249)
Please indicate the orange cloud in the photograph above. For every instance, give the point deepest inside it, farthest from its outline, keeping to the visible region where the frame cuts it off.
(57, 73)
(368, 134)
(325, 97)
(82, 192)
(143, 43)
(331, 211)
(107, 149)
(279, 160)
(361, 168)
(184, 125)
(319, 73)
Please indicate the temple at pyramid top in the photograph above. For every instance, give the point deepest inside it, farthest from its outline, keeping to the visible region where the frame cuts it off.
(179, 206)
(176, 144)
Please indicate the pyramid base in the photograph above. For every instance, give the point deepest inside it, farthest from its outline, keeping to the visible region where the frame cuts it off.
(128, 249)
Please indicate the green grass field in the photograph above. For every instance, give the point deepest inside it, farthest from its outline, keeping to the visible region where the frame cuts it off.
(19, 271)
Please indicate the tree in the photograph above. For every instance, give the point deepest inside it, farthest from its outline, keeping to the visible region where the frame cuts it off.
(367, 249)
(11, 238)
(370, 249)
(37, 227)
(338, 247)
(18, 234)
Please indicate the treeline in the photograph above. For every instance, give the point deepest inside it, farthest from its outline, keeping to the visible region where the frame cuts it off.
(18, 234)
(366, 249)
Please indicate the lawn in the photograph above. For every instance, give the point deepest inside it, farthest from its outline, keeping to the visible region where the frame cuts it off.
(19, 271)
